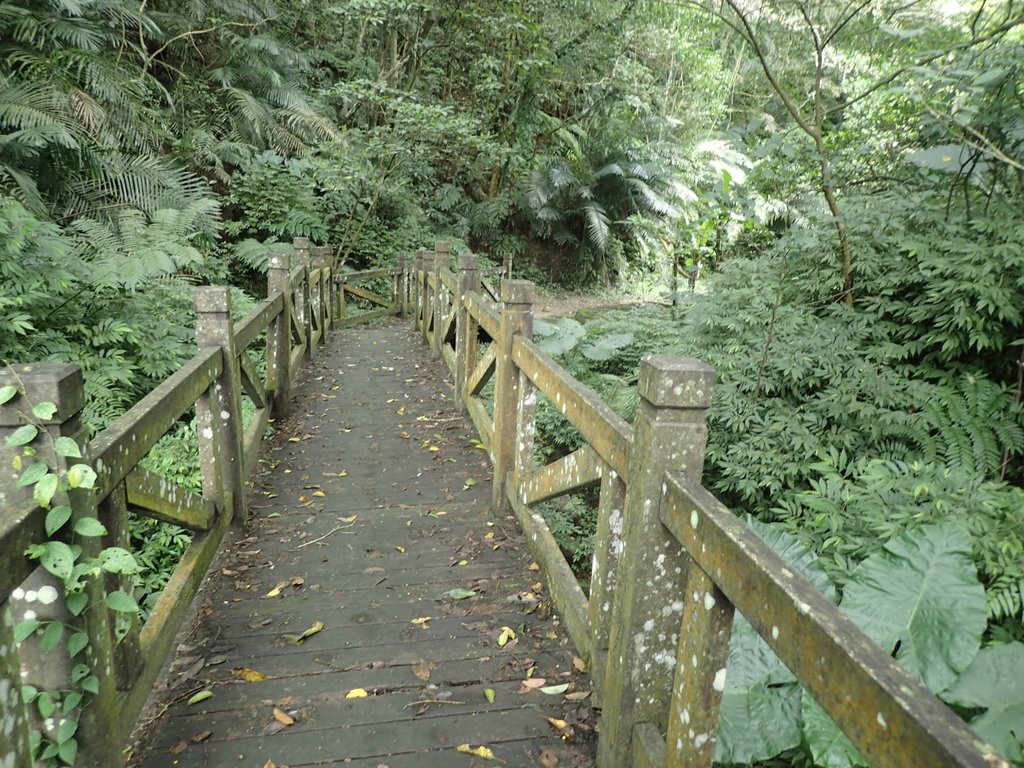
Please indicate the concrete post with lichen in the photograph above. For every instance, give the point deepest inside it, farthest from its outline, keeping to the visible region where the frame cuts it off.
(215, 329)
(442, 257)
(33, 593)
(402, 284)
(465, 326)
(516, 320)
(427, 295)
(669, 433)
(325, 303)
(279, 336)
(302, 257)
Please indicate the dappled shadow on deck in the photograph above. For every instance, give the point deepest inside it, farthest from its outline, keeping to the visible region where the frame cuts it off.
(370, 530)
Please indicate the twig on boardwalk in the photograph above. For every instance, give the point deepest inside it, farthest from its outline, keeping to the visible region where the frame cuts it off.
(335, 529)
(428, 702)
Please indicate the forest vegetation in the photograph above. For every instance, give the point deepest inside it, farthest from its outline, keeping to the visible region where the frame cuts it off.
(830, 193)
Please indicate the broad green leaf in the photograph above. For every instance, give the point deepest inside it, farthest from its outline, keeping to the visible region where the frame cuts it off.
(122, 602)
(118, 560)
(29, 693)
(81, 476)
(7, 393)
(995, 682)
(56, 517)
(68, 750)
(459, 594)
(920, 599)
(90, 684)
(828, 744)
(201, 696)
(757, 723)
(35, 472)
(24, 629)
(45, 488)
(79, 672)
(71, 702)
(560, 335)
(58, 559)
(604, 347)
(66, 730)
(45, 704)
(51, 636)
(90, 526)
(77, 602)
(65, 446)
(77, 643)
(44, 411)
(22, 435)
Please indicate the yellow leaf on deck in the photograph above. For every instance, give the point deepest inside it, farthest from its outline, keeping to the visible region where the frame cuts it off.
(283, 717)
(480, 751)
(277, 589)
(343, 473)
(320, 494)
(489, 694)
(249, 675)
(580, 664)
(422, 621)
(349, 519)
(357, 693)
(400, 549)
(534, 567)
(434, 448)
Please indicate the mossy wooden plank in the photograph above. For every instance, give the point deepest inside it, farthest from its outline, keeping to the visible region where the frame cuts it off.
(482, 371)
(600, 426)
(366, 274)
(565, 590)
(116, 450)
(157, 497)
(365, 317)
(565, 475)
(256, 322)
(481, 419)
(648, 746)
(484, 313)
(893, 719)
(370, 296)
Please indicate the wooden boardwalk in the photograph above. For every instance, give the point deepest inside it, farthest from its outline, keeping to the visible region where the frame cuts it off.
(371, 534)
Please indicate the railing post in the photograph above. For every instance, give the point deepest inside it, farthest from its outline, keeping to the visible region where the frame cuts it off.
(302, 246)
(99, 727)
(465, 327)
(403, 285)
(427, 296)
(506, 266)
(516, 319)
(279, 336)
(417, 293)
(15, 751)
(324, 307)
(215, 329)
(669, 433)
(442, 259)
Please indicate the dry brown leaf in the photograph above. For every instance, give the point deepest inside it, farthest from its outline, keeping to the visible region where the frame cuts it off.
(422, 671)
(178, 748)
(577, 695)
(199, 738)
(548, 759)
(534, 567)
(283, 717)
(579, 664)
(531, 684)
(270, 764)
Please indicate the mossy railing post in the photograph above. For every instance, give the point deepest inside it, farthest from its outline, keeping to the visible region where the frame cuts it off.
(516, 319)
(302, 258)
(279, 336)
(100, 731)
(323, 290)
(402, 279)
(669, 433)
(417, 288)
(465, 325)
(427, 295)
(214, 329)
(506, 266)
(14, 749)
(442, 259)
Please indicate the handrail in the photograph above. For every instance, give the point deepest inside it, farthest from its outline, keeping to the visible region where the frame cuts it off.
(670, 562)
(295, 316)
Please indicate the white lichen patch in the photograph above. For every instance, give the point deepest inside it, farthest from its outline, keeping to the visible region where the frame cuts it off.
(719, 681)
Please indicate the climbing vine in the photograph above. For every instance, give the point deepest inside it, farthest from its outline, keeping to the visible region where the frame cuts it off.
(51, 472)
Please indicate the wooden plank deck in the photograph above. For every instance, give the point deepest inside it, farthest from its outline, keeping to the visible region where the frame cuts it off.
(371, 506)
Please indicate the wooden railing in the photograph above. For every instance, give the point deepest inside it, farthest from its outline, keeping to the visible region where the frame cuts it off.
(671, 564)
(293, 320)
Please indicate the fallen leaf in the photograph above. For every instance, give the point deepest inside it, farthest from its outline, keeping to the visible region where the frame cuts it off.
(400, 549)
(459, 593)
(270, 764)
(298, 639)
(178, 748)
(507, 633)
(294, 439)
(201, 696)
(320, 494)
(557, 724)
(434, 449)
(283, 717)
(538, 586)
(469, 484)
(554, 690)
(357, 693)
(422, 671)
(202, 736)
(580, 664)
(489, 694)
(534, 567)
(422, 621)
(248, 675)
(349, 519)
(577, 695)
(490, 535)
(531, 684)
(343, 473)
(548, 759)
(277, 589)
(480, 751)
